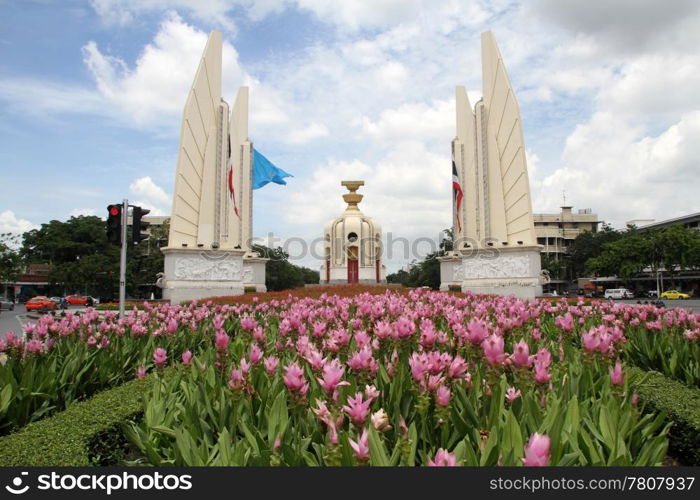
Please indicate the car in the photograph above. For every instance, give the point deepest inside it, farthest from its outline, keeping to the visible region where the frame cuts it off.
(618, 293)
(6, 303)
(95, 301)
(40, 303)
(674, 294)
(76, 300)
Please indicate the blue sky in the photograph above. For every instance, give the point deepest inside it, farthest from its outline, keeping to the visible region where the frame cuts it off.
(91, 94)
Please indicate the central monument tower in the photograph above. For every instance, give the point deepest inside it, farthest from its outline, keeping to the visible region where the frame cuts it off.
(352, 244)
(495, 248)
(209, 250)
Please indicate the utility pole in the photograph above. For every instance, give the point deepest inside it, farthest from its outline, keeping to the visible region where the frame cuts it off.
(122, 263)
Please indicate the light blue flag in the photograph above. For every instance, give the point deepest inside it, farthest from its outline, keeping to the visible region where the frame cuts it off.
(264, 171)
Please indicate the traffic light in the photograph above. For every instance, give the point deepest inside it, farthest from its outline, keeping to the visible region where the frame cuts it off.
(138, 229)
(114, 224)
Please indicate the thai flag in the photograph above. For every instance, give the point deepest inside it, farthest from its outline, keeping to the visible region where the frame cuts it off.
(231, 190)
(457, 195)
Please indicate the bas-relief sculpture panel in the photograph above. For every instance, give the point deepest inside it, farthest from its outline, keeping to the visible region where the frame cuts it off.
(506, 266)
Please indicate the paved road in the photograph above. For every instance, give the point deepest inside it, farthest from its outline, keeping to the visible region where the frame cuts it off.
(9, 320)
(692, 304)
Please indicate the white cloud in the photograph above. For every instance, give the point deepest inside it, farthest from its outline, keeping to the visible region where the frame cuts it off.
(77, 212)
(306, 134)
(154, 90)
(624, 174)
(9, 223)
(150, 196)
(418, 121)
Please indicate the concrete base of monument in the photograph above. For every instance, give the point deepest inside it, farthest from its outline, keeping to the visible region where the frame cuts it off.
(503, 271)
(198, 274)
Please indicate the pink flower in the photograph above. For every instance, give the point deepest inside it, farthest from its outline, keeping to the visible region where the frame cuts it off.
(458, 367)
(635, 399)
(186, 357)
(443, 458)
(493, 349)
(332, 376)
(91, 341)
(357, 409)
(442, 396)
(221, 340)
(616, 375)
(271, 363)
(521, 354)
(160, 356)
(476, 331)
(371, 392)
(361, 446)
(537, 451)
(237, 380)
(248, 323)
(294, 378)
(171, 326)
(542, 374)
(255, 353)
(512, 394)
(141, 372)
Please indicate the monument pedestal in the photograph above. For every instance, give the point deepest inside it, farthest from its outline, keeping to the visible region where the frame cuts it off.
(197, 274)
(503, 271)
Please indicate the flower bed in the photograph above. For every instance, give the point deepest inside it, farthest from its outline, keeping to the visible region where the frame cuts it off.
(398, 378)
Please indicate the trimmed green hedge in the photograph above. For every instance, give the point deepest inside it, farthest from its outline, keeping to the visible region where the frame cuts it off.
(86, 433)
(682, 406)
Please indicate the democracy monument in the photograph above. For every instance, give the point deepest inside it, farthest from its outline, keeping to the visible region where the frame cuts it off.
(495, 249)
(209, 248)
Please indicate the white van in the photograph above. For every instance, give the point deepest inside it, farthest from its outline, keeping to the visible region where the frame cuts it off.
(618, 293)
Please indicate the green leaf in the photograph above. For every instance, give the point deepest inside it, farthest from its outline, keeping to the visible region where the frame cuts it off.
(377, 452)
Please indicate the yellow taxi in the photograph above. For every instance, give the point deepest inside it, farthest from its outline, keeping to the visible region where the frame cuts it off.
(674, 294)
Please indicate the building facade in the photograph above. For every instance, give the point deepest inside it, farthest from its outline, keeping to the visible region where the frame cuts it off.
(556, 232)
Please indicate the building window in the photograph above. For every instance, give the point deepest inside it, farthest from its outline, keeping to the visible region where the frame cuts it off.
(541, 241)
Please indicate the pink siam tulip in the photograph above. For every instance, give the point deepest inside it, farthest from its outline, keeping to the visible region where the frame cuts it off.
(476, 331)
(34, 346)
(537, 451)
(361, 446)
(442, 396)
(443, 458)
(544, 357)
(332, 377)
(271, 363)
(186, 357)
(403, 328)
(371, 392)
(237, 380)
(616, 375)
(221, 340)
(357, 409)
(141, 372)
(458, 368)
(315, 358)
(160, 356)
(256, 354)
(493, 349)
(294, 379)
(512, 394)
(521, 354)
(248, 324)
(542, 374)
(382, 329)
(565, 322)
(171, 326)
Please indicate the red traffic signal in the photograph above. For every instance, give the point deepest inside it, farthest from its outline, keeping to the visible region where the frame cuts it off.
(114, 224)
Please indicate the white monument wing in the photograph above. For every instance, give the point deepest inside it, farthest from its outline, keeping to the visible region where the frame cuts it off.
(506, 145)
(191, 219)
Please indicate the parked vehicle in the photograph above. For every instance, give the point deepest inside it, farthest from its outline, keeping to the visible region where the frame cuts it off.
(618, 293)
(76, 300)
(40, 303)
(7, 304)
(674, 294)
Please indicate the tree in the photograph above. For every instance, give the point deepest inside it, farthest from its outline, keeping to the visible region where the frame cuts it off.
(10, 259)
(588, 245)
(280, 274)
